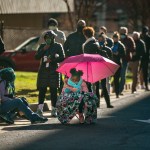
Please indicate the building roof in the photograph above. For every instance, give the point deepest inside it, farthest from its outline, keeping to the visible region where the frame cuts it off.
(34, 6)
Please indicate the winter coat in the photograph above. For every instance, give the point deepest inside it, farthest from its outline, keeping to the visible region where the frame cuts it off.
(107, 50)
(140, 50)
(73, 44)
(130, 47)
(146, 39)
(120, 49)
(91, 46)
(109, 42)
(47, 75)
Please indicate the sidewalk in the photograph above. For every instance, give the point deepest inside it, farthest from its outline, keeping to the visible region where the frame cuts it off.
(47, 108)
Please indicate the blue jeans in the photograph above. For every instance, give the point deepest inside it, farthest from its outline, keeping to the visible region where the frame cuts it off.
(123, 76)
(17, 103)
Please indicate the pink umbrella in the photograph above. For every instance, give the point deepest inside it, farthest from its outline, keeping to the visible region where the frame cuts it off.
(94, 66)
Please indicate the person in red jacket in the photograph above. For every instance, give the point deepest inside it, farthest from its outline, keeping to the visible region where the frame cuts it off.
(130, 50)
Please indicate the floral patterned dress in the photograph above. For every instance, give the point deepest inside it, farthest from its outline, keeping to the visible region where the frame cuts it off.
(68, 103)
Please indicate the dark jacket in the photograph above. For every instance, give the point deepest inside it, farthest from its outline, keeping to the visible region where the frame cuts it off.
(120, 50)
(47, 76)
(92, 47)
(140, 50)
(2, 49)
(73, 44)
(146, 39)
(106, 52)
(110, 42)
(130, 47)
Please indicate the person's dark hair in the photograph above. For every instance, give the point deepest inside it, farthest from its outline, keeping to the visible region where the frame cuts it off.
(88, 32)
(74, 72)
(116, 35)
(103, 35)
(52, 21)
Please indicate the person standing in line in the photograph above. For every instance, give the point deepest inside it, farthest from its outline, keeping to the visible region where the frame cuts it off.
(130, 50)
(73, 44)
(146, 58)
(118, 51)
(53, 25)
(136, 59)
(109, 41)
(60, 38)
(91, 46)
(108, 54)
(50, 53)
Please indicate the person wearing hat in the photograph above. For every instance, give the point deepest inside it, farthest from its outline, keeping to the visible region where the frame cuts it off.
(73, 44)
(9, 103)
(50, 53)
(146, 58)
(53, 25)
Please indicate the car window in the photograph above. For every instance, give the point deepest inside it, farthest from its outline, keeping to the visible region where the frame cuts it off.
(31, 45)
(28, 45)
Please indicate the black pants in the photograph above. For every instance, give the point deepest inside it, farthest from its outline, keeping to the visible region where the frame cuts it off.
(105, 91)
(145, 72)
(116, 81)
(42, 93)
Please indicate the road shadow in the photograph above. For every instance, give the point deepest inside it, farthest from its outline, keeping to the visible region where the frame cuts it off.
(115, 131)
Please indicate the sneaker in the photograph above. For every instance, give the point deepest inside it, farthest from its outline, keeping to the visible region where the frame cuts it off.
(39, 120)
(7, 119)
(110, 106)
(53, 112)
(39, 112)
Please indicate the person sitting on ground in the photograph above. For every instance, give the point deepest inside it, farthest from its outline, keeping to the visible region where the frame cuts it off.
(75, 99)
(9, 103)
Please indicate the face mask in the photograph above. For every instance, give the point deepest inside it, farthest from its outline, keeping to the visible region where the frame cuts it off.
(52, 27)
(101, 43)
(122, 36)
(48, 41)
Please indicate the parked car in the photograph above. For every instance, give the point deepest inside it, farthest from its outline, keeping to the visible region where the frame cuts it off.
(22, 57)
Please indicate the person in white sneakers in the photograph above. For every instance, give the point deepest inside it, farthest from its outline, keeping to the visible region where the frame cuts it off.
(50, 53)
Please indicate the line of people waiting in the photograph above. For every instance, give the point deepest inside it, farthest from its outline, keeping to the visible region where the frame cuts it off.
(123, 49)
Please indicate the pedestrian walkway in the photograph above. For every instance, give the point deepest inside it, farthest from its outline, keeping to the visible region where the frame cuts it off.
(24, 122)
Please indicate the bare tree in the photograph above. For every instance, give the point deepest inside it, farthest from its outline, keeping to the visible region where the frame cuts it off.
(83, 9)
(138, 12)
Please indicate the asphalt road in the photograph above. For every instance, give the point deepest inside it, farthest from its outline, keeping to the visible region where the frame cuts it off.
(116, 129)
